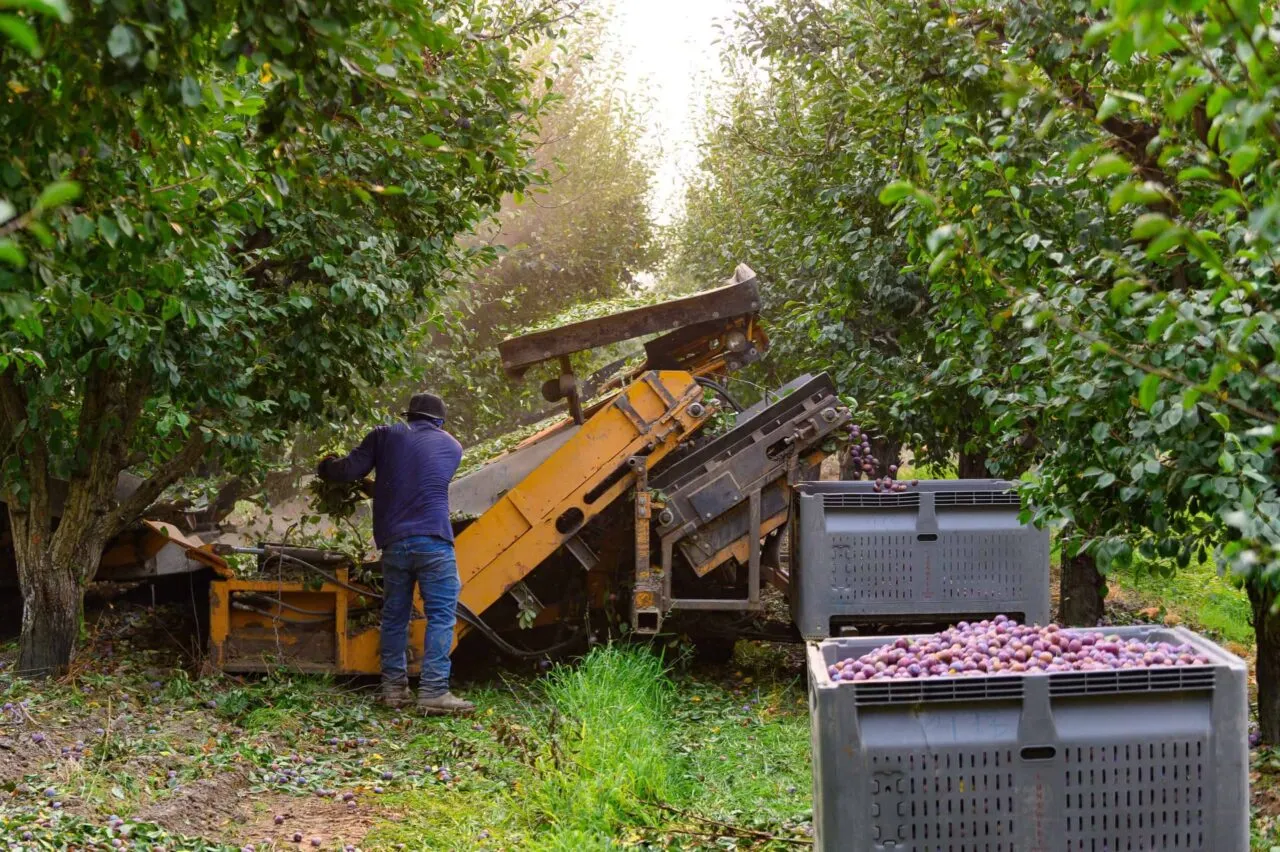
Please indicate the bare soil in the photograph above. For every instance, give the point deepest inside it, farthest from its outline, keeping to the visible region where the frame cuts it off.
(331, 821)
(205, 808)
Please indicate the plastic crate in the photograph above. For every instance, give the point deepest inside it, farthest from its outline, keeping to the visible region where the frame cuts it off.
(1105, 761)
(943, 551)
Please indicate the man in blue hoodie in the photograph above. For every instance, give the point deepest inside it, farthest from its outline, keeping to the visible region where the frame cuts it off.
(415, 461)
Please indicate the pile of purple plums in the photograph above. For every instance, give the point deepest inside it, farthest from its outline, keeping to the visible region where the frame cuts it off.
(1001, 646)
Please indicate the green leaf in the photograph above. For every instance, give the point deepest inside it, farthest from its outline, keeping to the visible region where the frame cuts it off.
(1101, 431)
(1191, 173)
(1161, 322)
(944, 257)
(1110, 106)
(109, 229)
(1148, 390)
(431, 140)
(896, 191)
(42, 233)
(1046, 123)
(939, 236)
(386, 70)
(11, 254)
(1149, 225)
(58, 193)
(1099, 31)
(125, 225)
(134, 300)
(1188, 99)
(1121, 292)
(1106, 479)
(1217, 101)
(123, 43)
(1110, 164)
(1222, 420)
(191, 94)
(49, 8)
(7, 210)
(1168, 239)
(1242, 159)
(82, 228)
(20, 33)
(171, 308)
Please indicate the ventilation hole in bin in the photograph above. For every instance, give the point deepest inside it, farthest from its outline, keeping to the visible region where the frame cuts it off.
(1137, 796)
(872, 568)
(987, 566)
(954, 799)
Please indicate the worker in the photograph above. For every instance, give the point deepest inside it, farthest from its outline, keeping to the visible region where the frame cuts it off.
(414, 461)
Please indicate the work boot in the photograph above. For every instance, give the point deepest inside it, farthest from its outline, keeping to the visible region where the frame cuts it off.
(445, 705)
(395, 694)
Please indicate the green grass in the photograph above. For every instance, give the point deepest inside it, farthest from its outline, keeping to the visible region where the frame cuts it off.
(618, 751)
(611, 756)
(927, 471)
(1197, 595)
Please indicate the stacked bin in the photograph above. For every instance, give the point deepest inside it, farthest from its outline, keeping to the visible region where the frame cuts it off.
(942, 551)
(1101, 760)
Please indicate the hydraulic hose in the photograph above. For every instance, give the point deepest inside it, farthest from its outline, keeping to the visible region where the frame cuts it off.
(720, 390)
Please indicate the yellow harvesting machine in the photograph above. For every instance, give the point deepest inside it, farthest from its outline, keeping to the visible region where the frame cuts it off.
(625, 511)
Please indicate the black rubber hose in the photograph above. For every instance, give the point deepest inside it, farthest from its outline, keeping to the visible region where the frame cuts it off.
(332, 579)
(721, 391)
(244, 607)
(506, 647)
(260, 598)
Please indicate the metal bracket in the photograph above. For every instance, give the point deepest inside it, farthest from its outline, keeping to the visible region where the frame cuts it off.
(646, 613)
(582, 553)
(624, 405)
(525, 597)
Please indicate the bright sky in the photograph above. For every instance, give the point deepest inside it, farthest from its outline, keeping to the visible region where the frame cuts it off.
(670, 58)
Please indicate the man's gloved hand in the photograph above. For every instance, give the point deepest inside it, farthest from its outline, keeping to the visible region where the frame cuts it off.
(366, 486)
(324, 461)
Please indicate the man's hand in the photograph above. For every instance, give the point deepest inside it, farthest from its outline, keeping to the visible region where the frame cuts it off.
(324, 461)
(366, 486)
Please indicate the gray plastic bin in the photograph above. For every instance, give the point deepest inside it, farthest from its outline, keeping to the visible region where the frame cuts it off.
(943, 551)
(1140, 759)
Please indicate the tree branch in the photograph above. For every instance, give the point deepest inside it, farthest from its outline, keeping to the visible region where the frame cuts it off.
(165, 475)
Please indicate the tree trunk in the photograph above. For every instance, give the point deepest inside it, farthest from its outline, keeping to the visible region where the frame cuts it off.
(1266, 627)
(973, 465)
(52, 598)
(1081, 587)
(886, 451)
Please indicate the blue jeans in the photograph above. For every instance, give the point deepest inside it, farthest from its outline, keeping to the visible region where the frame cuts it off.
(428, 561)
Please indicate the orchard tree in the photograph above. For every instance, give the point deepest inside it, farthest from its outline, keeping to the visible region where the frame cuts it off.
(1087, 193)
(269, 199)
(1138, 258)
